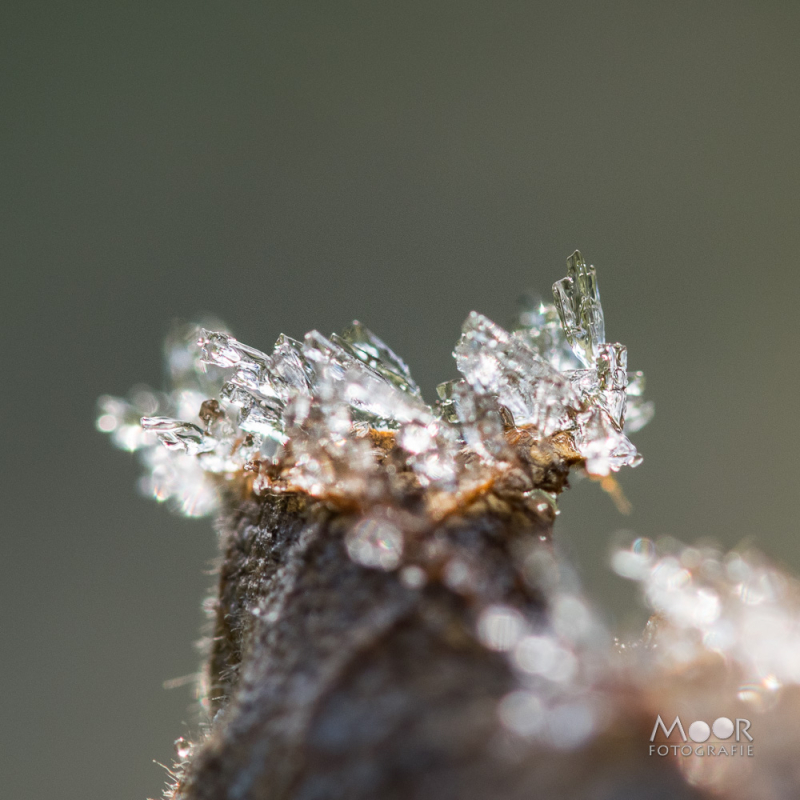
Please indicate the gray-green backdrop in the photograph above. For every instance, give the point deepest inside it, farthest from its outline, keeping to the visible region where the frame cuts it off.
(290, 165)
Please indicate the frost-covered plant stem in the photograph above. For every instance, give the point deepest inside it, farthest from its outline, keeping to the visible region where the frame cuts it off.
(392, 619)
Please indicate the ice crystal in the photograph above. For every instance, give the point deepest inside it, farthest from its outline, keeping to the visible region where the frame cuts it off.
(578, 303)
(309, 415)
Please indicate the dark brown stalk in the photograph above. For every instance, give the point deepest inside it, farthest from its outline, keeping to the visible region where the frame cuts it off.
(329, 680)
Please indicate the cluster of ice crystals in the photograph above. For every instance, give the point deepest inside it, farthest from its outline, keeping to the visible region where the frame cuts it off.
(310, 410)
(734, 604)
(498, 364)
(555, 378)
(183, 455)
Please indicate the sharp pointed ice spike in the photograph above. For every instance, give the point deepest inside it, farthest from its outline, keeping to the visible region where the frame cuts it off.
(179, 435)
(577, 299)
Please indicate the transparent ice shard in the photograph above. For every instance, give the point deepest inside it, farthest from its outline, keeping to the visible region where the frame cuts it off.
(223, 350)
(256, 413)
(479, 417)
(291, 373)
(612, 376)
(373, 397)
(182, 352)
(539, 325)
(605, 448)
(178, 435)
(578, 303)
(606, 384)
(367, 347)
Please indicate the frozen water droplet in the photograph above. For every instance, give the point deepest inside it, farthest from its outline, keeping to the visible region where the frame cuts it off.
(183, 748)
(544, 656)
(459, 576)
(375, 543)
(523, 713)
(634, 563)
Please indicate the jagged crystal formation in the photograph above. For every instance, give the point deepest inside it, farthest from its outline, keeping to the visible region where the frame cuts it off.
(309, 416)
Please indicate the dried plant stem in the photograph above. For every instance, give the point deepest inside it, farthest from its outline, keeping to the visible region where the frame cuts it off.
(330, 680)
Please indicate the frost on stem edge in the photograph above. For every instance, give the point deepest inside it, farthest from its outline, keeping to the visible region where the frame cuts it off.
(341, 418)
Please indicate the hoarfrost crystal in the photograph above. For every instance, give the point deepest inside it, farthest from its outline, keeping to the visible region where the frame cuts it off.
(578, 303)
(321, 415)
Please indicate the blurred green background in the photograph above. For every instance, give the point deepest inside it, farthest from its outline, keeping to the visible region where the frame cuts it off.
(296, 165)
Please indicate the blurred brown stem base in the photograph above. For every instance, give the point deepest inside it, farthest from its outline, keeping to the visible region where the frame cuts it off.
(329, 680)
